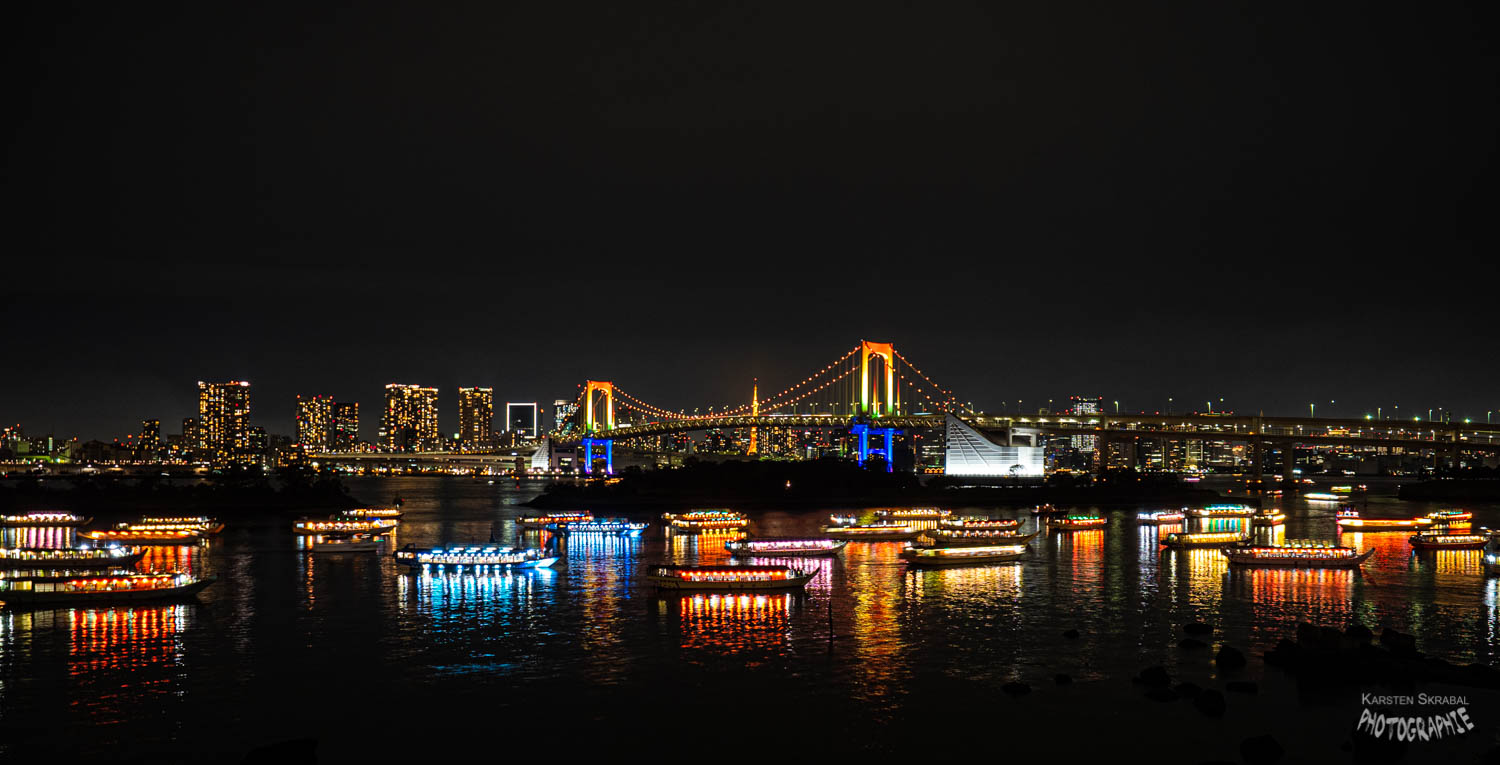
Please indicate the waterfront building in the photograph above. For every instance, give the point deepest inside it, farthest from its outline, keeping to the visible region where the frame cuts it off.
(150, 443)
(345, 426)
(971, 453)
(562, 414)
(521, 419)
(476, 417)
(410, 419)
(224, 422)
(315, 423)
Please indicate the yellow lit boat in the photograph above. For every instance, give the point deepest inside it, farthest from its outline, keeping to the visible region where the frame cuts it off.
(1350, 519)
(43, 519)
(880, 531)
(698, 521)
(914, 513)
(729, 578)
(782, 547)
(1435, 541)
(553, 518)
(980, 523)
(1189, 539)
(1161, 516)
(64, 590)
(967, 555)
(963, 537)
(145, 537)
(1297, 555)
(1454, 517)
(1221, 511)
(1077, 523)
(1268, 517)
(343, 543)
(35, 558)
(369, 526)
(201, 525)
(371, 512)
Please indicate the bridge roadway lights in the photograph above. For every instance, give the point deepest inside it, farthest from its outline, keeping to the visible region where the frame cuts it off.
(863, 431)
(588, 455)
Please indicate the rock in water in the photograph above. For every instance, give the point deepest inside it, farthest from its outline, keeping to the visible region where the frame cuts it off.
(1229, 657)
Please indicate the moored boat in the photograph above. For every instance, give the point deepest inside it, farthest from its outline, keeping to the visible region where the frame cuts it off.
(1319, 496)
(476, 557)
(782, 547)
(1452, 517)
(728, 578)
(1189, 539)
(1160, 516)
(697, 521)
(338, 543)
(880, 531)
(1350, 519)
(1269, 516)
(1077, 522)
(966, 555)
(84, 589)
(913, 513)
(604, 526)
(980, 523)
(553, 518)
(36, 558)
(1221, 511)
(199, 524)
(963, 537)
(839, 519)
(371, 512)
(1297, 555)
(1440, 541)
(145, 537)
(366, 526)
(42, 519)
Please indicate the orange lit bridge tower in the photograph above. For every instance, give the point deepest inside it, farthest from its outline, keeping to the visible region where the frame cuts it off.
(598, 399)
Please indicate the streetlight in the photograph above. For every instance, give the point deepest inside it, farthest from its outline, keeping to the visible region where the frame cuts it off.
(1169, 405)
(1117, 407)
(1312, 411)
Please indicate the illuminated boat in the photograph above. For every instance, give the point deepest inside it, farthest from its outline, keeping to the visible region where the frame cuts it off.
(1221, 511)
(781, 547)
(145, 537)
(1046, 510)
(339, 543)
(474, 557)
(87, 589)
(914, 513)
(200, 524)
(729, 578)
(604, 526)
(880, 531)
(1350, 519)
(371, 512)
(698, 521)
(980, 523)
(1161, 516)
(1297, 555)
(967, 555)
(843, 520)
(1077, 523)
(367, 526)
(1451, 516)
(42, 519)
(1436, 541)
(553, 518)
(1269, 516)
(1492, 556)
(1183, 540)
(31, 558)
(1344, 489)
(962, 537)
(1318, 496)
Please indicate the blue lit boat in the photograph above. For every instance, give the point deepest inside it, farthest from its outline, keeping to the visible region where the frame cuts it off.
(729, 578)
(474, 557)
(606, 526)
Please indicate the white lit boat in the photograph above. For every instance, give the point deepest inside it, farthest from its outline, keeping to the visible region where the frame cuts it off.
(1269, 516)
(1297, 555)
(880, 531)
(964, 537)
(474, 557)
(366, 526)
(342, 543)
(779, 547)
(604, 526)
(371, 512)
(87, 589)
(697, 521)
(976, 522)
(914, 513)
(1160, 516)
(1190, 539)
(1439, 541)
(36, 558)
(966, 555)
(1318, 496)
(1492, 556)
(729, 578)
(42, 519)
(553, 518)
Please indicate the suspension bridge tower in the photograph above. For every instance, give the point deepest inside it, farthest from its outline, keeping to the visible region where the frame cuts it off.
(602, 394)
(869, 392)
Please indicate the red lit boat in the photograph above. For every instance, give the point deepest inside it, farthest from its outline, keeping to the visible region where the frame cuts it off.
(883, 531)
(1077, 523)
(64, 590)
(729, 578)
(42, 519)
(1350, 519)
(145, 537)
(1297, 555)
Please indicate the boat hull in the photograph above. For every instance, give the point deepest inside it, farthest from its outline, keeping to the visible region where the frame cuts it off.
(902, 536)
(676, 584)
(827, 552)
(952, 541)
(932, 561)
(118, 596)
(1424, 544)
(538, 563)
(1242, 559)
(151, 541)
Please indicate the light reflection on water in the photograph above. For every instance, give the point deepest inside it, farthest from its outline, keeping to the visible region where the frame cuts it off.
(280, 613)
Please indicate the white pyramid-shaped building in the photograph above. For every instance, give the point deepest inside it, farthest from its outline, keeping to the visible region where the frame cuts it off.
(969, 452)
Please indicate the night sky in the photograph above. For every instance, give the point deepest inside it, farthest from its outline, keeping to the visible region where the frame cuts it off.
(1275, 206)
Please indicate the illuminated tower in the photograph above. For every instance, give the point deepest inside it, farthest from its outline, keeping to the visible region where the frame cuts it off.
(224, 422)
(410, 420)
(345, 426)
(476, 417)
(754, 412)
(886, 352)
(315, 423)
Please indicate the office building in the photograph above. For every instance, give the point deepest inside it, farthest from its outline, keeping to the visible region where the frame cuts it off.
(410, 420)
(224, 422)
(315, 423)
(345, 426)
(476, 417)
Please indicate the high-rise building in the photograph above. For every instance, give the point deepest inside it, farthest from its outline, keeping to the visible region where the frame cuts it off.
(521, 419)
(562, 414)
(150, 435)
(410, 420)
(191, 437)
(1082, 405)
(224, 422)
(315, 423)
(345, 426)
(476, 417)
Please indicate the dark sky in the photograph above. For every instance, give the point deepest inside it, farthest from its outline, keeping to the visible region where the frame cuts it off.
(1270, 205)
